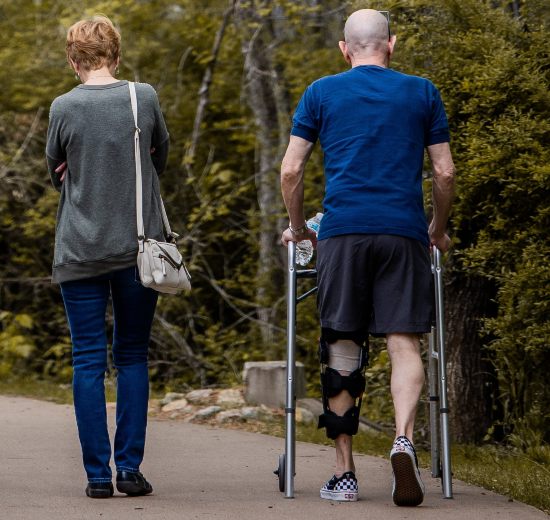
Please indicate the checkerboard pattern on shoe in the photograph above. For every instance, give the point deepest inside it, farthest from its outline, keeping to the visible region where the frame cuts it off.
(343, 489)
(408, 488)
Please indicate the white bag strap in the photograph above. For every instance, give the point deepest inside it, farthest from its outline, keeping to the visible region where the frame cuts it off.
(139, 180)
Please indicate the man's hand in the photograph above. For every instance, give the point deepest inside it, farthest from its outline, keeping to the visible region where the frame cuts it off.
(441, 241)
(62, 168)
(308, 234)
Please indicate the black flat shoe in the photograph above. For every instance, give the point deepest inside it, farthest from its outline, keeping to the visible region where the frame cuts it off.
(132, 483)
(99, 489)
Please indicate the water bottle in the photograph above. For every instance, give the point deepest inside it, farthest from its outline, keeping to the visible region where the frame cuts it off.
(304, 249)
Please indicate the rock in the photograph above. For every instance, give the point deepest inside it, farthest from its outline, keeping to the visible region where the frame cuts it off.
(303, 415)
(204, 413)
(169, 397)
(251, 412)
(230, 396)
(229, 415)
(201, 395)
(315, 406)
(154, 406)
(265, 382)
(178, 404)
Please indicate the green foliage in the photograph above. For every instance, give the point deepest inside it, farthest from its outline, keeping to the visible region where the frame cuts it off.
(495, 81)
(493, 72)
(16, 344)
(377, 406)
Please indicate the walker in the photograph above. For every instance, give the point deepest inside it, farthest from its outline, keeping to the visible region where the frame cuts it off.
(437, 381)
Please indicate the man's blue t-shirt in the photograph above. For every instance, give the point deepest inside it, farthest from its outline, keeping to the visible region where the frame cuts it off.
(373, 124)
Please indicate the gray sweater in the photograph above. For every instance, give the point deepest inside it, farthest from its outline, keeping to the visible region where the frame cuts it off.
(92, 128)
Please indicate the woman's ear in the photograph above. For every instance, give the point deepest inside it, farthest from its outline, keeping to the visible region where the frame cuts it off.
(74, 65)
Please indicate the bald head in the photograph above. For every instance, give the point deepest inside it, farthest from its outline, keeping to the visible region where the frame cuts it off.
(366, 32)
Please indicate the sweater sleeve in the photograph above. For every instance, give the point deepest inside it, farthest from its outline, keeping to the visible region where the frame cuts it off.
(160, 140)
(55, 153)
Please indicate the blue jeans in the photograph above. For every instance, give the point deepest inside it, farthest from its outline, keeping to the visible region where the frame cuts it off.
(133, 310)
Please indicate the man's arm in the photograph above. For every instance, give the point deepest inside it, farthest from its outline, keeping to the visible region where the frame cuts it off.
(442, 193)
(292, 187)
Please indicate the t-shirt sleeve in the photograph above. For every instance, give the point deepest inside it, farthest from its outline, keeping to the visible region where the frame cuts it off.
(305, 123)
(438, 131)
(55, 152)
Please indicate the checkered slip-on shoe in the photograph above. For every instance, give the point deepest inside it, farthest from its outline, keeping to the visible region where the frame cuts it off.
(343, 489)
(408, 488)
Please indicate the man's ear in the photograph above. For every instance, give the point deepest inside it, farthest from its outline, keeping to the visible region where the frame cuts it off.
(344, 50)
(391, 44)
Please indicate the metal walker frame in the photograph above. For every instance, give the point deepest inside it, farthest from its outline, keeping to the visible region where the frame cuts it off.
(437, 381)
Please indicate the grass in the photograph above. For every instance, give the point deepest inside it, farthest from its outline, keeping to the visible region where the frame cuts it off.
(46, 390)
(505, 471)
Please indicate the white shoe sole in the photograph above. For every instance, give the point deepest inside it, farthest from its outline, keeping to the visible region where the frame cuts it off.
(340, 496)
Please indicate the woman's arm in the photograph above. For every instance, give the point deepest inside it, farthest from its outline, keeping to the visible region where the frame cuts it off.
(55, 154)
(57, 171)
(159, 156)
(160, 139)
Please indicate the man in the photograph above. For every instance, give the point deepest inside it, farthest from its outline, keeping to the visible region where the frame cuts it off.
(373, 262)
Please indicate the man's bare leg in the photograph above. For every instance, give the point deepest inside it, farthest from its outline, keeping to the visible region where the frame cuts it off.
(407, 380)
(343, 443)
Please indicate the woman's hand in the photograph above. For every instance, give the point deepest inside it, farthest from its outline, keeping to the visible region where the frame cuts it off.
(62, 169)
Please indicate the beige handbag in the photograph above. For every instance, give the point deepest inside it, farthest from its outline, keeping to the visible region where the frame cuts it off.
(160, 264)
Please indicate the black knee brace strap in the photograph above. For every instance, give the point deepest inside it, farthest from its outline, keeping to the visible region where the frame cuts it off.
(336, 424)
(333, 383)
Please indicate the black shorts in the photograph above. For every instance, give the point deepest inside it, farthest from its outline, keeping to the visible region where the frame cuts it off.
(376, 284)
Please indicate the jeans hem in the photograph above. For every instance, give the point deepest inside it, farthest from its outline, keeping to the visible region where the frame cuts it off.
(126, 468)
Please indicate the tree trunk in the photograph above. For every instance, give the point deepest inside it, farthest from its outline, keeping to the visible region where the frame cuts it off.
(468, 299)
(266, 97)
(204, 90)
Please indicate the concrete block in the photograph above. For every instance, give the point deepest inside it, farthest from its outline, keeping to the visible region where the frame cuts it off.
(265, 382)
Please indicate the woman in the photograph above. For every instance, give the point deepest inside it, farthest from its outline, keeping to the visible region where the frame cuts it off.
(90, 154)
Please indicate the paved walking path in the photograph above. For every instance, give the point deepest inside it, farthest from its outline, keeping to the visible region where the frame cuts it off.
(200, 472)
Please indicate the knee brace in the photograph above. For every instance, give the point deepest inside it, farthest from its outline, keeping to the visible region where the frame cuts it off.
(336, 425)
(333, 383)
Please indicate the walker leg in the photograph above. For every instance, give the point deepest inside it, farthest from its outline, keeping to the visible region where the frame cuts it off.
(290, 458)
(433, 394)
(444, 407)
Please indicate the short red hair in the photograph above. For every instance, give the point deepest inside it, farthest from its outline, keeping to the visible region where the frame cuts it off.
(93, 43)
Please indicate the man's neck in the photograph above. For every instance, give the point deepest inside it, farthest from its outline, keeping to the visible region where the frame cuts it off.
(371, 60)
